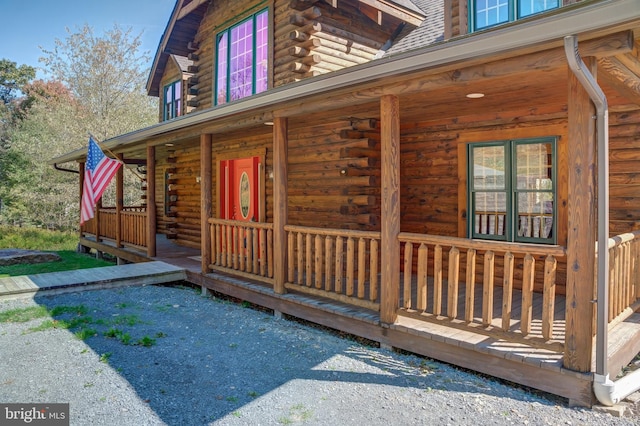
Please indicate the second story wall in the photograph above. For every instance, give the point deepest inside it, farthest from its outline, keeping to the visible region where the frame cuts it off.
(174, 95)
(305, 39)
(317, 39)
(220, 15)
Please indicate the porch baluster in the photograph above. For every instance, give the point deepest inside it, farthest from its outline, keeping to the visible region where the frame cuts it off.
(373, 271)
(362, 268)
(423, 264)
(487, 288)
(528, 279)
(437, 280)
(507, 291)
(328, 262)
(452, 278)
(408, 274)
(549, 297)
(471, 285)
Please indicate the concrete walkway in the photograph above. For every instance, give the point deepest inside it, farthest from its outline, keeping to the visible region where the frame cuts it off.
(90, 279)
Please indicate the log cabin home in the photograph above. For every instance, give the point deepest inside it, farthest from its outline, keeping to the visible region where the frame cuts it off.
(455, 178)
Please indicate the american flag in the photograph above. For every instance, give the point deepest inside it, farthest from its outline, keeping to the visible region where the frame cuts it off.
(98, 172)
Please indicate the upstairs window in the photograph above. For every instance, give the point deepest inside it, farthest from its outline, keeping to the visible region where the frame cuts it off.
(172, 100)
(487, 13)
(242, 59)
(512, 190)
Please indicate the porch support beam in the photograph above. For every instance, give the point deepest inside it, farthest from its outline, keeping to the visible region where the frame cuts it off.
(119, 201)
(390, 176)
(581, 238)
(206, 197)
(280, 202)
(96, 218)
(80, 189)
(151, 201)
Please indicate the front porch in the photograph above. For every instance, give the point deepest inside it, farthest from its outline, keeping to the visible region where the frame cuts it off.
(490, 318)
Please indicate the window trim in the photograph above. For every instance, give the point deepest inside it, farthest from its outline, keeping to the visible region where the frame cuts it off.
(174, 110)
(253, 17)
(511, 191)
(514, 14)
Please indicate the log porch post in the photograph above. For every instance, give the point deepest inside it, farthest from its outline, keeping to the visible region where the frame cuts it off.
(97, 219)
(151, 201)
(280, 203)
(119, 200)
(390, 176)
(206, 204)
(81, 172)
(581, 238)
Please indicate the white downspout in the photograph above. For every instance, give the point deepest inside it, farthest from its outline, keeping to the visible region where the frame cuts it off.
(607, 391)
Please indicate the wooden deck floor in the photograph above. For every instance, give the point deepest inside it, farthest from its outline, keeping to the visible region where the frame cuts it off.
(90, 279)
(534, 337)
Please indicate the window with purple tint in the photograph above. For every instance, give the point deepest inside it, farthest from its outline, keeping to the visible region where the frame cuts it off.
(172, 100)
(242, 59)
(221, 71)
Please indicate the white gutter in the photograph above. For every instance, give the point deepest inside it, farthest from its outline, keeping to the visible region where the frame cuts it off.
(576, 19)
(608, 392)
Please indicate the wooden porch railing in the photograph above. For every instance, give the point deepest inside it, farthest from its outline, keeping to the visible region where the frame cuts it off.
(470, 299)
(339, 264)
(133, 225)
(624, 275)
(107, 222)
(242, 248)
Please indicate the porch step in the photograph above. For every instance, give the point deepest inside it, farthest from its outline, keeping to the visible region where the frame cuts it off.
(90, 279)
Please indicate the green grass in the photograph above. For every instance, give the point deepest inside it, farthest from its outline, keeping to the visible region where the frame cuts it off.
(75, 318)
(23, 314)
(37, 239)
(62, 243)
(70, 260)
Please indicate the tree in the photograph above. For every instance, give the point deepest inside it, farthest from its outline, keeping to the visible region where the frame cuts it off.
(97, 87)
(13, 78)
(107, 76)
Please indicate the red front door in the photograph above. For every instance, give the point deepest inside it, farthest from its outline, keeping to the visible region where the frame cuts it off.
(240, 189)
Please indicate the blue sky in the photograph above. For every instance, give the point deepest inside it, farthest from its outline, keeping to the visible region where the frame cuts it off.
(25, 25)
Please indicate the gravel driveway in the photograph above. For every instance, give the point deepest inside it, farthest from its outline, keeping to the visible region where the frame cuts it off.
(166, 355)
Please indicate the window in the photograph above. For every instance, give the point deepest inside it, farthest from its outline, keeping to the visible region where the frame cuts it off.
(512, 190)
(487, 13)
(242, 58)
(172, 100)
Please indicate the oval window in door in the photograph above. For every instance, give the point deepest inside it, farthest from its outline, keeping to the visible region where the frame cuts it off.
(245, 195)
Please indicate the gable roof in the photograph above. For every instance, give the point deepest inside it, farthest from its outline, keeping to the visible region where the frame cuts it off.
(178, 34)
(182, 63)
(430, 31)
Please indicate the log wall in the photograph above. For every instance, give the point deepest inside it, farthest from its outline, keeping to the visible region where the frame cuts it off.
(219, 16)
(624, 173)
(308, 40)
(334, 173)
(182, 222)
(314, 38)
(433, 173)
